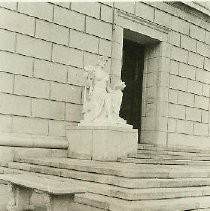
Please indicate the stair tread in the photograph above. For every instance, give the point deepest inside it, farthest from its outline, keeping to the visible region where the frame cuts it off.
(161, 205)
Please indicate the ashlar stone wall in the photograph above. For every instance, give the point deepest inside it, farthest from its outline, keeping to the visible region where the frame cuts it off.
(43, 50)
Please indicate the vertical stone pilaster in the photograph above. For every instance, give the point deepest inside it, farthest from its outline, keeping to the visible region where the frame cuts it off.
(155, 94)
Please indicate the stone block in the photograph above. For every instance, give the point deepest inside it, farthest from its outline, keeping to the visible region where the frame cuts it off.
(207, 39)
(152, 65)
(150, 109)
(175, 38)
(200, 129)
(33, 47)
(117, 50)
(164, 64)
(69, 18)
(185, 98)
(154, 137)
(90, 59)
(106, 13)
(193, 114)
(174, 67)
(145, 11)
(20, 64)
(51, 32)
(188, 43)
(73, 112)
(177, 82)
(105, 47)
(197, 32)
(162, 109)
(202, 102)
(153, 51)
(203, 49)
(206, 90)
(179, 54)
(76, 76)
(66, 93)
(30, 125)
(176, 111)
(9, 5)
(207, 64)
(67, 56)
(5, 123)
(187, 71)
(48, 109)
(196, 60)
(41, 10)
(87, 8)
(172, 125)
(6, 82)
(173, 96)
(101, 143)
(118, 34)
(194, 87)
(7, 40)
(205, 117)
(184, 126)
(17, 105)
(57, 128)
(203, 76)
(31, 87)
(83, 41)
(116, 66)
(151, 79)
(125, 6)
(162, 18)
(50, 71)
(14, 21)
(163, 79)
(98, 28)
(149, 123)
(180, 25)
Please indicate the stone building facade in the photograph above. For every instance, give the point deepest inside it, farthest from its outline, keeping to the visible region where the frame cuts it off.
(44, 48)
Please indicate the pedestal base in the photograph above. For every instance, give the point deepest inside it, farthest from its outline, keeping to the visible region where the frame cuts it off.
(101, 143)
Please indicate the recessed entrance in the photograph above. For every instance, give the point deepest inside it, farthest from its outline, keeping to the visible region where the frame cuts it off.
(132, 75)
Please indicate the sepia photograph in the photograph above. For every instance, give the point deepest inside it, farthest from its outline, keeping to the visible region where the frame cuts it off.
(104, 105)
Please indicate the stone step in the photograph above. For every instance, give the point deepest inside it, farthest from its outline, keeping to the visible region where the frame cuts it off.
(165, 157)
(173, 153)
(161, 161)
(155, 161)
(155, 154)
(112, 204)
(137, 194)
(129, 170)
(172, 148)
(115, 180)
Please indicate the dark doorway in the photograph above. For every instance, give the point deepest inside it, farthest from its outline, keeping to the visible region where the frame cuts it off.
(132, 75)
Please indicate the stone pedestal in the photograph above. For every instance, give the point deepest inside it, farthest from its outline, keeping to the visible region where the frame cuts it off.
(101, 142)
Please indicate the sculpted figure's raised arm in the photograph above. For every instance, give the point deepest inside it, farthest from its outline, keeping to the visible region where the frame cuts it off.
(101, 104)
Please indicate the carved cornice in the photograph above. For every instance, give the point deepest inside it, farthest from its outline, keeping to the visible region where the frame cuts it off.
(143, 21)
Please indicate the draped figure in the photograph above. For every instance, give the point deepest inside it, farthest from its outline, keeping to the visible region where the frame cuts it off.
(101, 103)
